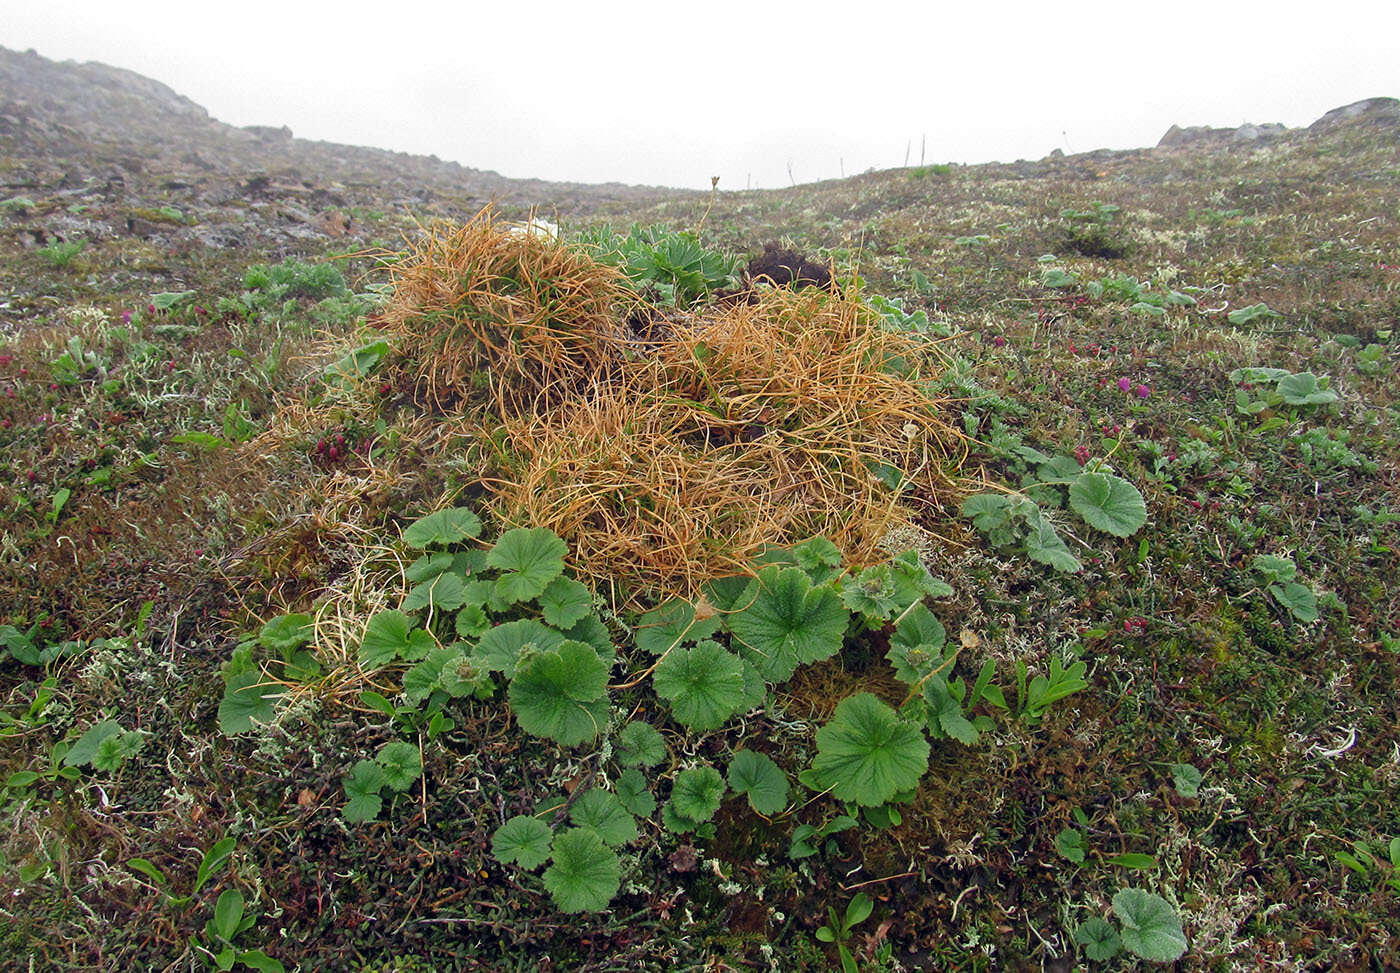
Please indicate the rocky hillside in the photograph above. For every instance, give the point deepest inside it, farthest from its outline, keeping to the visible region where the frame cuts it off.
(93, 152)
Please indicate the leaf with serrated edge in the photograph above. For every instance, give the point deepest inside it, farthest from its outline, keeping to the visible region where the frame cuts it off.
(762, 780)
(788, 623)
(867, 754)
(704, 684)
(529, 559)
(585, 874)
(603, 812)
(561, 695)
(697, 792)
(442, 527)
(523, 840)
(640, 744)
(1151, 927)
(1108, 503)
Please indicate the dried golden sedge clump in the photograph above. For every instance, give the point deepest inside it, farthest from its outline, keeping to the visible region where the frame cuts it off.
(527, 314)
(764, 424)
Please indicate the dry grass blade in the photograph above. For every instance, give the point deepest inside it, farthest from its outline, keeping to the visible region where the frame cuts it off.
(530, 316)
(766, 424)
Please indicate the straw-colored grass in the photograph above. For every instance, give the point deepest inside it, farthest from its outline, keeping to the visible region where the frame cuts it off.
(762, 420)
(519, 313)
(760, 425)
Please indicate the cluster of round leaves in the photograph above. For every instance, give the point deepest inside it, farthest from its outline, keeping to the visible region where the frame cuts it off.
(472, 615)
(584, 870)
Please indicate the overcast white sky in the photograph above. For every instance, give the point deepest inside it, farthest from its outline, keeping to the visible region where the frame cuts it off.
(759, 94)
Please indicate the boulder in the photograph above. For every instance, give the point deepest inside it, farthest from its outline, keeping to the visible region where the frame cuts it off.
(1369, 112)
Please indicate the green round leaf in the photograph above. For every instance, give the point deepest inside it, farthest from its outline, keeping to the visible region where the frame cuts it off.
(764, 782)
(640, 744)
(585, 874)
(1297, 598)
(530, 558)
(248, 696)
(789, 623)
(1099, 939)
(565, 602)
(697, 793)
(633, 793)
(363, 785)
(603, 812)
(1108, 503)
(442, 528)
(562, 695)
(704, 684)
(401, 762)
(443, 591)
(501, 649)
(523, 840)
(1187, 778)
(1151, 927)
(867, 754)
(286, 633)
(429, 566)
(390, 636)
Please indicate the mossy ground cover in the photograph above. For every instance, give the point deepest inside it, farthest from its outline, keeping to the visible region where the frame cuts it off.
(1228, 752)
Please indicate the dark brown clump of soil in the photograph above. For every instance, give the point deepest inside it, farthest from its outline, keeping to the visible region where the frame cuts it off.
(780, 267)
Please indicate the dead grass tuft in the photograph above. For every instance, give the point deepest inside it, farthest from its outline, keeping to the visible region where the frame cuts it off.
(767, 423)
(527, 315)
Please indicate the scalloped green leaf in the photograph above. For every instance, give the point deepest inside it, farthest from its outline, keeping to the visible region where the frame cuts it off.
(523, 840)
(672, 623)
(867, 754)
(471, 622)
(402, 764)
(501, 648)
(640, 744)
(286, 633)
(362, 786)
(1252, 313)
(603, 812)
(391, 636)
(592, 630)
(585, 873)
(562, 694)
(1305, 388)
(820, 558)
(789, 622)
(1108, 503)
(84, 750)
(1275, 568)
(248, 696)
(529, 559)
(704, 684)
(760, 779)
(1297, 598)
(565, 602)
(429, 566)
(697, 793)
(1044, 544)
(1151, 927)
(442, 528)
(443, 592)
(634, 794)
(1099, 939)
